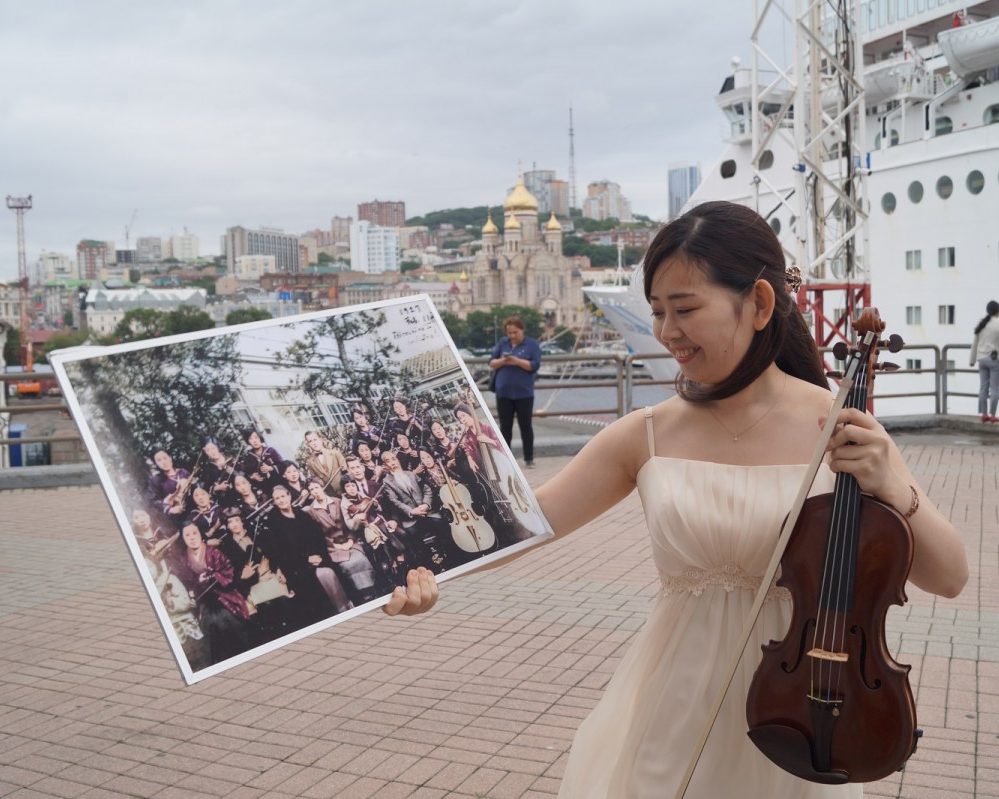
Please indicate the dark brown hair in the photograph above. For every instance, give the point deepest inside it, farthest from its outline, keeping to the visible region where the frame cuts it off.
(735, 247)
(991, 309)
(516, 321)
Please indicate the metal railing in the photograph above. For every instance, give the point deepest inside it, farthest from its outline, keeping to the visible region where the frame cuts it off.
(621, 374)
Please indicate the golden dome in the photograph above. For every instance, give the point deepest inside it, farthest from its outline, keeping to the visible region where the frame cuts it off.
(511, 223)
(520, 199)
(552, 224)
(490, 226)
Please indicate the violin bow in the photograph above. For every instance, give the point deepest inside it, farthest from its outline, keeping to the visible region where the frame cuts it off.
(857, 358)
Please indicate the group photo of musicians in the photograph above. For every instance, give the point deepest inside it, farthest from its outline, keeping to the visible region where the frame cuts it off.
(247, 546)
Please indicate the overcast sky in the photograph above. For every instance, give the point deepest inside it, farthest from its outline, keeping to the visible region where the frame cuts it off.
(206, 115)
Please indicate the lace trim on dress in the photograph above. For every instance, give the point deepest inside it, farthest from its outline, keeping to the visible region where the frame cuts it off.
(730, 576)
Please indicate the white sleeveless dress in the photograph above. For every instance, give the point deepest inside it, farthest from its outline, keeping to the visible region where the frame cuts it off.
(713, 528)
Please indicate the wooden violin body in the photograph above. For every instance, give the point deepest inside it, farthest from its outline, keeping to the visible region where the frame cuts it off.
(828, 703)
(817, 715)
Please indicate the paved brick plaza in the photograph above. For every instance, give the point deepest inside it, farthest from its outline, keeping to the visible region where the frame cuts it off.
(480, 698)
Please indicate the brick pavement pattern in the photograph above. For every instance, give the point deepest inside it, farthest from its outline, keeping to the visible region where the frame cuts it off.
(479, 698)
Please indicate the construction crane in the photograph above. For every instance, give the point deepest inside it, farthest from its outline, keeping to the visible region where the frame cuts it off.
(19, 205)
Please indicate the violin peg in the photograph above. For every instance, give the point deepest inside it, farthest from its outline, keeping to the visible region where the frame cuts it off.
(834, 375)
(887, 366)
(841, 350)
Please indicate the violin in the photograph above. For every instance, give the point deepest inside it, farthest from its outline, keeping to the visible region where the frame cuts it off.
(829, 703)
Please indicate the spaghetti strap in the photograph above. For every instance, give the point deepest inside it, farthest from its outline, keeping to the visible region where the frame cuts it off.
(648, 431)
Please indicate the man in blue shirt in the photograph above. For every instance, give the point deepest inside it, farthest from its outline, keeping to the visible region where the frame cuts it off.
(516, 359)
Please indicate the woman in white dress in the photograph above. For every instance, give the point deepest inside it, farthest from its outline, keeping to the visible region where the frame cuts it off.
(717, 468)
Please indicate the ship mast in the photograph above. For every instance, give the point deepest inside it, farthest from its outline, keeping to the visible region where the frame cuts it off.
(816, 103)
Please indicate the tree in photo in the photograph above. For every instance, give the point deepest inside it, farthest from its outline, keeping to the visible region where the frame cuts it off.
(162, 397)
(349, 356)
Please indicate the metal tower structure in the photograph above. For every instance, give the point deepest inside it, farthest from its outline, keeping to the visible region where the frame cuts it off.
(19, 205)
(816, 103)
(572, 165)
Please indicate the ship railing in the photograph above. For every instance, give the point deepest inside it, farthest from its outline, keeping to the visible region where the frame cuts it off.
(621, 372)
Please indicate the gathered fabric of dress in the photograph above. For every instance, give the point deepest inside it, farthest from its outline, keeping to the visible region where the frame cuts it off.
(713, 528)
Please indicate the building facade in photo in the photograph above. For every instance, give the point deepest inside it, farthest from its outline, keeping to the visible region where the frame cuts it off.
(682, 181)
(105, 308)
(340, 228)
(373, 249)
(182, 247)
(551, 193)
(283, 246)
(56, 266)
(383, 214)
(605, 201)
(96, 259)
(148, 249)
(253, 267)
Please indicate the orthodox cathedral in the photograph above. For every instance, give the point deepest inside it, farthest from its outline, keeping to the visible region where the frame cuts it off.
(524, 265)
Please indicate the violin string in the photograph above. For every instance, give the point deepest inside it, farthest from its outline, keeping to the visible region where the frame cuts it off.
(844, 495)
(832, 568)
(852, 531)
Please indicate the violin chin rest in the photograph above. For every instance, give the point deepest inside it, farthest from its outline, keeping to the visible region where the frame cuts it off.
(790, 749)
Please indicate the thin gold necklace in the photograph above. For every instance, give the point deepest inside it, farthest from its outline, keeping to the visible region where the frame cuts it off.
(735, 436)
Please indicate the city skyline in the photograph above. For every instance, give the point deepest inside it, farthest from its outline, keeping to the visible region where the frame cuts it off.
(311, 110)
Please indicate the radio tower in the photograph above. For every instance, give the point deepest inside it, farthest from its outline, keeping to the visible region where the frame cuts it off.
(572, 166)
(19, 205)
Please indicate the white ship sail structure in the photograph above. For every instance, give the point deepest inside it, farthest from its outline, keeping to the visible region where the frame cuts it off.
(930, 245)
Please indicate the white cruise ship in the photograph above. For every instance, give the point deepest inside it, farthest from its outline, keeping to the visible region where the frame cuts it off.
(929, 256)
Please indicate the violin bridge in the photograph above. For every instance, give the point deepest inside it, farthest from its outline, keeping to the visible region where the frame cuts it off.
(824, 654)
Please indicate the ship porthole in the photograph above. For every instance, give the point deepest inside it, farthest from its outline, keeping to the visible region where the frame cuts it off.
(915, 191)
(888, 203)
(775, 224)
(975, 182)
(945, 187)
(728, 168)
(944, 125)
(766, 159)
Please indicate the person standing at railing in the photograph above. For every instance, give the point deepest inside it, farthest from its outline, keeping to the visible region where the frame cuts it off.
(985, 352)
(516, 359)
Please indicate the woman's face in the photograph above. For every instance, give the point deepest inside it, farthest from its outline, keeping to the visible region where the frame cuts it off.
(201, 497)
(437, 430)
(242, 485)
(350, 489)
(464, 418)
(192, 537)
(316, 491)
(402, 440)
(211, 450)
(399, 408)
(706, 327)
(291, 474)
(255, 441)
(163, 460)
(364, 452)
(426, 459)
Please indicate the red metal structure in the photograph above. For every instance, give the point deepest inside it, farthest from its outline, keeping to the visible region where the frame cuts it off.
(19, 205)
(832, 315)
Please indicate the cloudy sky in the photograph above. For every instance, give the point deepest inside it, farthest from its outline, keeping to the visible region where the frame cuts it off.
(205, 115)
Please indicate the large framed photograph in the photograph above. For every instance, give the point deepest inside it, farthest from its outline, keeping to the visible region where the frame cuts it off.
(275, 478)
